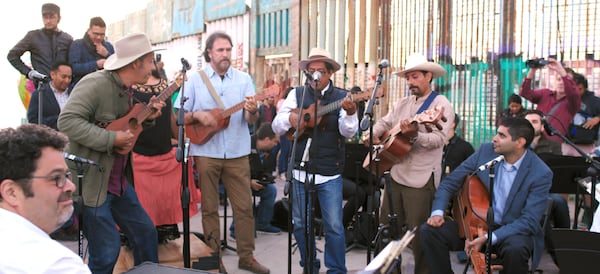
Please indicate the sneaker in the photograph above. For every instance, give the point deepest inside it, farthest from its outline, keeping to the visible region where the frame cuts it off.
(231, 237)
(254, 267)
(269, 229)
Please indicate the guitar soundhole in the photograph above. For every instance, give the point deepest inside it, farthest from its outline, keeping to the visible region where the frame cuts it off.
(306, 117)
(133, 124)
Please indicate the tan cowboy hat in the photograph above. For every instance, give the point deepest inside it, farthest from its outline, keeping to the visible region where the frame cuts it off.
(127, 50)
(419, 62)
(318, 54)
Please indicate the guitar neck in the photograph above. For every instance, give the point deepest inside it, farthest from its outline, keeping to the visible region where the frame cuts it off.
(337, 104)
(329, 108)
(163, 96)
(235, 108)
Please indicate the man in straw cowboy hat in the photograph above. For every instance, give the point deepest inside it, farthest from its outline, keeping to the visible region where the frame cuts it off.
(108, 195)
(224, 157)
(327, 154)
(416, 175)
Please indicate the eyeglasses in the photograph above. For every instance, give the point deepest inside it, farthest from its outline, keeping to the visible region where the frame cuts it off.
(60, 180)
(322, 71)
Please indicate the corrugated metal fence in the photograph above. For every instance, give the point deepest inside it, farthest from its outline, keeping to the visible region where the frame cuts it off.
(483, 45)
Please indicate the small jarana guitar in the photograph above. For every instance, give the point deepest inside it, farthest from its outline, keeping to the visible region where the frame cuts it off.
(308, 114)
(132, 121)
(396, 145)
(200, 134)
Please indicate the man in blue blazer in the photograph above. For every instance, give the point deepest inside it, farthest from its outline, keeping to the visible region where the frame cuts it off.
(54, 96)
(521, 186)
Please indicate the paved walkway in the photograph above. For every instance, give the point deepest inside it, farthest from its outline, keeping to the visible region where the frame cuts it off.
(272, 251)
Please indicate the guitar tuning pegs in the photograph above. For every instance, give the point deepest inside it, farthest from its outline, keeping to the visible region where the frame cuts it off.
(428, 128)
(438, 126)
(443, 118)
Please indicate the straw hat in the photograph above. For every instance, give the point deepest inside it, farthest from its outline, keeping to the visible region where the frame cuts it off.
(318, 54)
(418, 62)
(127, 50)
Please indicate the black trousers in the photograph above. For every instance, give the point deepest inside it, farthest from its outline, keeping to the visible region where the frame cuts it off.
(514, 251)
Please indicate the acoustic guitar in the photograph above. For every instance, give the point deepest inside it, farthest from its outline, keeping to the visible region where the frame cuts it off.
(132, 121)
(200, 134)
(395, 144)
(308, 114)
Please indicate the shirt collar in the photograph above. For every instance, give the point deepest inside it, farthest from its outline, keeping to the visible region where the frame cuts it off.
(211, 72)
(517, 164)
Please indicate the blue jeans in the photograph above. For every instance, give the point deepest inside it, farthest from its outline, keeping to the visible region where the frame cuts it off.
(284, 153)
(330, 200)
(104, 243)
(264, 210)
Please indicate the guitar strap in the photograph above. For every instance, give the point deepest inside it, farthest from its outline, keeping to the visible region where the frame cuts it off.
(211, 88)
(427, 102)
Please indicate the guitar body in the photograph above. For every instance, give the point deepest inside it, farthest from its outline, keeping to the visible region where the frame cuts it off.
(129, 122)
(307, 121)
(395, 146)
(200, 134)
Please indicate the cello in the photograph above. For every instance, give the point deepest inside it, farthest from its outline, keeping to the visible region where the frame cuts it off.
(470, 209)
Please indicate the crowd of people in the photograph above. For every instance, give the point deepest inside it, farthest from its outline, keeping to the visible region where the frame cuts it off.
(87, 88)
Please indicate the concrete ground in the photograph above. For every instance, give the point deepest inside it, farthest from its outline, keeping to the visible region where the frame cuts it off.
(272, 251)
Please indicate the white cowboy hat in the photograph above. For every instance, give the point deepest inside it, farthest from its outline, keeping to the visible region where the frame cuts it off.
(318, 54)
(419, 62)
(127, 50)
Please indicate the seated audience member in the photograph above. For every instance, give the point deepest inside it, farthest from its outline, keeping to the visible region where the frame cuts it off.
(35, 199)
(520, 192)
(262, 183)
(54, 96)
(559, 214)
(515, 108)
(583, 130)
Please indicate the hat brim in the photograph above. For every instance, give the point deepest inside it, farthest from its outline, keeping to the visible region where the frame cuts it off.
(304, 63)
(114, 63)
(434, 68)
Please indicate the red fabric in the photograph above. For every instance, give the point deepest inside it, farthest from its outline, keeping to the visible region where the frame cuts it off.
(158, 186)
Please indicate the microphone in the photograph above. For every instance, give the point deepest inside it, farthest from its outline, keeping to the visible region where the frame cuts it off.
(384, 64)
(77, 159)
(316, 76)
(35, 75)
(547, 126)
(185, 64)
(491, 163)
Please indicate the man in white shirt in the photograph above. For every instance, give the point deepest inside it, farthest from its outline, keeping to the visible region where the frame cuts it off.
(35, 200)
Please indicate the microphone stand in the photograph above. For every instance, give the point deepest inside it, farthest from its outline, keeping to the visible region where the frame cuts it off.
(490, 220)
(79, 208)
(592, 171)
(40, 103)
(182, 157)
(367, 122)
(290, 176)
(309, 192)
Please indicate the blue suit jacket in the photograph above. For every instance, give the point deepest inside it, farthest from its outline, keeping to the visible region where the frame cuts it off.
(50, 108)
(526, 200)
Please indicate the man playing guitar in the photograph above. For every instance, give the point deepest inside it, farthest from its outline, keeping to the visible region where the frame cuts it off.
(225, 155)
(415, 174)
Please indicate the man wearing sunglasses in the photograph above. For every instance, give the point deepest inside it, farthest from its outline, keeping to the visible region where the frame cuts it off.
(35, 200)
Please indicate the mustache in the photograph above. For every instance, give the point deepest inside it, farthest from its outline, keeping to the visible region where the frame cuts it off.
(65, 196)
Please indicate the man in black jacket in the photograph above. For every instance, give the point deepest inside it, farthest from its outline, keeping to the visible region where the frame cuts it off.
(46, 46)
(54, 96)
